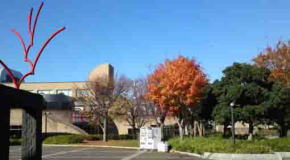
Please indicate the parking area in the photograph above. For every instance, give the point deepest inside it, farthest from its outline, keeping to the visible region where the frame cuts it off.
(96, 153)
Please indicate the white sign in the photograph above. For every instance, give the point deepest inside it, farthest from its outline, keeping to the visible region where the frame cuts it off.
(150, 137)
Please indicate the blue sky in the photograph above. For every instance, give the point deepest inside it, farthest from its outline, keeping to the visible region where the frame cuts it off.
(136, 35)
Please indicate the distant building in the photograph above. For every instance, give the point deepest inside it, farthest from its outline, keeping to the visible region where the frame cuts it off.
(57, 117)
(60, 118)
(4, 76)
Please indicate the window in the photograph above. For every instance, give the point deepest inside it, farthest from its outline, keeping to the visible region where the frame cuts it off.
(83, 92)
(66, 92)
(45, 92)
(8, 79)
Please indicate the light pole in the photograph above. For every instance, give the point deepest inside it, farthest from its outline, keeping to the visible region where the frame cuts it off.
(233, 122)
(46, 114)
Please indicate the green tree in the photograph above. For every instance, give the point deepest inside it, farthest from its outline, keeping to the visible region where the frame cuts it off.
(201, 116)
(278, 110)
(248, 87)
(207, 103)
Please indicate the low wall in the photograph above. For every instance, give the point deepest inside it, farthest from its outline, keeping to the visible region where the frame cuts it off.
(56, 122)
(123, 126)
(229, 156)
(55, 125)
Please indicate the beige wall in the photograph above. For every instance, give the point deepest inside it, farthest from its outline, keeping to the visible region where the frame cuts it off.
(54, 125)
(123, 126)
(60, 117)
(57, 121)
(53, 86)
(105, 72)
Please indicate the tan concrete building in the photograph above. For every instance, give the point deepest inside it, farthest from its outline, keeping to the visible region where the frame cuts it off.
(54, 120)
(61, 120)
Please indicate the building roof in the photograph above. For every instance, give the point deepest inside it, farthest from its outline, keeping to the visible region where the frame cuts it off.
(4, 74)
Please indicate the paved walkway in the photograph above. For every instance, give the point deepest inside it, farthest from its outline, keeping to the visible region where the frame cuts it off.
(83, 153)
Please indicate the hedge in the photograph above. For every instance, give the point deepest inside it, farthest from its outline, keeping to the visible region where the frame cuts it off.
(15, 141)
(219, 145)
(71, 138)
(64, 139)
(95, 137)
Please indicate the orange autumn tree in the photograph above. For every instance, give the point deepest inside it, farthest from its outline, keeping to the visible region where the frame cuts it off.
(175, 87)
(277, 60)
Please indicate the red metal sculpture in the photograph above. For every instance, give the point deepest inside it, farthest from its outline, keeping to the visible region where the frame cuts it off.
(26, 49)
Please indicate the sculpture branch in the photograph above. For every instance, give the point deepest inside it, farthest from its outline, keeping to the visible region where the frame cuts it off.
(22, 42)
(39, 53)
(31, 32)
(34, 26)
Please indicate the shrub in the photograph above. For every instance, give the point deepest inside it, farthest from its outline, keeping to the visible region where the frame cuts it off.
(126, 136)
(268, 132)
(64, 139)
(113, 136)
(216, 134)
(93, 137)
(96, 137)
(15, 141)
(218, 145)
(277, 145)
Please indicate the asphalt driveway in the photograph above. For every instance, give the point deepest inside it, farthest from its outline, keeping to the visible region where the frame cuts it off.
(96, 153)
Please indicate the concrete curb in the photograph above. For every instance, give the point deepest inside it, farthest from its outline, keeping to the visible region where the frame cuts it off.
(230, 156)
(187, 153)
(84, 145)
(283, 155)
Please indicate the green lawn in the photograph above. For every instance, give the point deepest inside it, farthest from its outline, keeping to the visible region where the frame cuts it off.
(123, 143)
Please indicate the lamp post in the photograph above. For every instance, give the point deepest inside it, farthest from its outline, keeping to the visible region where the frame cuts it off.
(46, 114)
(233, 122)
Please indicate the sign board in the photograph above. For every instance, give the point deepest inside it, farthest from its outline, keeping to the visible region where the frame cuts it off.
(150, 137)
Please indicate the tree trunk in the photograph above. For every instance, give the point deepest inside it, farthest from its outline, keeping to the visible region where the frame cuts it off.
(195, 129)
(180, 131)
(162, 131)
(283, 129)
(134, 127)
(251, 131)
(181, 128)
(134, 132)
(186, 130)
(203, 129)
(161, 125)
(225, 130)
(190, 129)
(105, 129)
(200, 129)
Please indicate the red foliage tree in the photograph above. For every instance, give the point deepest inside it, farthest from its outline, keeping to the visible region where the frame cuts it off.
(277, 60)
(176, 86)
(26, 48)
